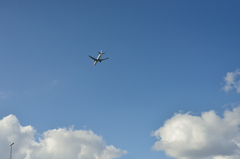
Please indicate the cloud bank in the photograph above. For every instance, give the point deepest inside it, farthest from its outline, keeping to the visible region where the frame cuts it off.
(232, 81)
(59, 143)
(201, 137)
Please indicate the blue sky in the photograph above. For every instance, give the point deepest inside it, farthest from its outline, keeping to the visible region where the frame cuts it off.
(165, 57)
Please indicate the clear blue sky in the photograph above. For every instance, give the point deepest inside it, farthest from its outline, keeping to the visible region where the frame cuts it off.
(164, 57)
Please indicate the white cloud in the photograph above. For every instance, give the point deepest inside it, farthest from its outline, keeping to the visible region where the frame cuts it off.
(201, 137)
(232, 81)
(55, 82)
(4, 94)
(59, 143)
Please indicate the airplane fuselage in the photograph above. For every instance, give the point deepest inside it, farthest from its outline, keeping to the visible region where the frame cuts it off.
(98, 59)
(95, 60)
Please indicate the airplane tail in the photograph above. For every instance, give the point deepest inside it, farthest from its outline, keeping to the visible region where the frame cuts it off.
(101, 52)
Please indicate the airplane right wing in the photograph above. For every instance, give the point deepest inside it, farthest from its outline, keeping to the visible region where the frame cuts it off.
(105, 59)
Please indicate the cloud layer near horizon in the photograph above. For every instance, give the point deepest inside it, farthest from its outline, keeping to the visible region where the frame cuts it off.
(59, 143)
(232, 81)
(201, 137)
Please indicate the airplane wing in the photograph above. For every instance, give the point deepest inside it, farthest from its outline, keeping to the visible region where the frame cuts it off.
(92, 58)
(105, 59)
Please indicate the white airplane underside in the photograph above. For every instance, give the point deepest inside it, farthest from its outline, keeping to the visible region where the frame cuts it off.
(95, 60)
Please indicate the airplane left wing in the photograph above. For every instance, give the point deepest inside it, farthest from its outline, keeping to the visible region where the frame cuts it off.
(92, 58)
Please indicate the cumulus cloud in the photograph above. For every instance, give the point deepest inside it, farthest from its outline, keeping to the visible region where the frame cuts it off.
(59, 143)
(232, 81)
(208, 136)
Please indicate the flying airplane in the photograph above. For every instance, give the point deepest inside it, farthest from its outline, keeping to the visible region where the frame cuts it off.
(98, 58)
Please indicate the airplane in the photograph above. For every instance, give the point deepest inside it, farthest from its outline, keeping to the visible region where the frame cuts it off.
(95, 60)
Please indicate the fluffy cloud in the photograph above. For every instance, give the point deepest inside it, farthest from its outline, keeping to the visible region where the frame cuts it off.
(232, 81)
(59, 143)
(201, 137)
